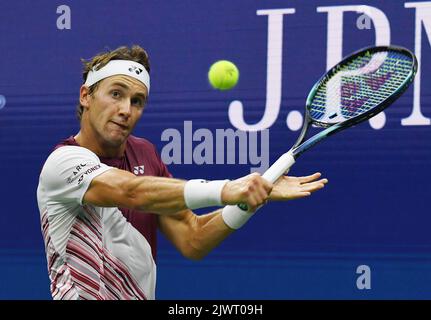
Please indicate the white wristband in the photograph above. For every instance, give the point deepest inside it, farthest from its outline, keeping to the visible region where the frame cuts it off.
(200, 193)
(234, 217)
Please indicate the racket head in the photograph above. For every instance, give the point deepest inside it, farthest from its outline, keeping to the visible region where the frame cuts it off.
(360, 86)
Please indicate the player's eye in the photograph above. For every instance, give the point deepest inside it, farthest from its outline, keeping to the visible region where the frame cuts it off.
(137, 102)
(115, 94)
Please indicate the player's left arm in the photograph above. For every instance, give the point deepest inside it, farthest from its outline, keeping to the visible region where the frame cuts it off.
(197, 235)
(194, 235)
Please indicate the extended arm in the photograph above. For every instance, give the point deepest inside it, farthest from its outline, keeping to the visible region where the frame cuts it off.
(119, 188)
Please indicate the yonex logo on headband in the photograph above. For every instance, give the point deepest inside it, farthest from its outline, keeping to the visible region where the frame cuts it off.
(135, 69)
(117, 67)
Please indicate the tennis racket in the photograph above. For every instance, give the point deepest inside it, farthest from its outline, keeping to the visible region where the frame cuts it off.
(356, 89)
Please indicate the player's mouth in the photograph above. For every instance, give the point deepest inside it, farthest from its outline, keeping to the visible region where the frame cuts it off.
(122, 126)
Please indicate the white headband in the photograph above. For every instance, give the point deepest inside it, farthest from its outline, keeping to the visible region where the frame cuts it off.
(114, 67)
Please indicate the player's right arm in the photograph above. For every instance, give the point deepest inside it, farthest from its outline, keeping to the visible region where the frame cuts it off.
(75, 174)
(119, 188)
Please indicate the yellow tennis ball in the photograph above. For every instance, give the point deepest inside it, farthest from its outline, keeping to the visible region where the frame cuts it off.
(223, 75)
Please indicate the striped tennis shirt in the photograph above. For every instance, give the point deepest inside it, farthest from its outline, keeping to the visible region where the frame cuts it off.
(95, 252)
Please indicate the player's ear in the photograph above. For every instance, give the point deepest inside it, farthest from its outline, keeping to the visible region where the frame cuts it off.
(84, 96)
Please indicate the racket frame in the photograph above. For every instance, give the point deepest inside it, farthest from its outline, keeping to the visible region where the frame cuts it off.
(300, 146)
(286, 161)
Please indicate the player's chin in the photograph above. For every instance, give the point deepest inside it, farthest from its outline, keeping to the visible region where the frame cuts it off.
(117, 138)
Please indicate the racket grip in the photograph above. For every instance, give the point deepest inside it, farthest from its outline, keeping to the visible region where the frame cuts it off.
(279, 167)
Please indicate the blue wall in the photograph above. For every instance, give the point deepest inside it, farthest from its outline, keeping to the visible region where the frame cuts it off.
(374, 212)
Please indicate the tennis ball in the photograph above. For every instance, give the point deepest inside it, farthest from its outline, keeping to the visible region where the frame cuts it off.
(223, 75)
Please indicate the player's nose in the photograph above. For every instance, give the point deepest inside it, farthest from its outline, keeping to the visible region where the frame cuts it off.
(124, 108)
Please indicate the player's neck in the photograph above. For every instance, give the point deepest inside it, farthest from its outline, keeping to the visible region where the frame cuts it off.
(92, 143)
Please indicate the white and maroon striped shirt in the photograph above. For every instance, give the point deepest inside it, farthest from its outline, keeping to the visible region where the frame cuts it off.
(92, 252)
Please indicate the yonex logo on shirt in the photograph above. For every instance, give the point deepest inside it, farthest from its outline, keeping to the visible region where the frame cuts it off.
(88, 172)
(138, 170)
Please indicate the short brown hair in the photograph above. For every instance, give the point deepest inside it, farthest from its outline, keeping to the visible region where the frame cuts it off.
(134, 53)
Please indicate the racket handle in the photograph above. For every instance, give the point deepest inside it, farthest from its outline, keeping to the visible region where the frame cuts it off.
(278, 168)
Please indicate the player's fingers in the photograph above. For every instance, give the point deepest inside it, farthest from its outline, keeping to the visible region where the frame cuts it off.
(324, 181)
(321, 181)
(310, 178)
(262, 186)
(266, 185)
(252, 194)
(263, 196)
(252, 203)
(312, 186)
(300, 194)
(262, 193)
(304, 194)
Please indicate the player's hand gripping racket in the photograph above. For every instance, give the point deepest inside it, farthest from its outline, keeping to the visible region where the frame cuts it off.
(356, 89)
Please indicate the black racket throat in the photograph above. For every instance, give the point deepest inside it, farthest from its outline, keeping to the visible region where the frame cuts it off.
(303, 132)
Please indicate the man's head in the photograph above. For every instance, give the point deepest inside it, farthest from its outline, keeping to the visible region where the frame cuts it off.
(114, 94)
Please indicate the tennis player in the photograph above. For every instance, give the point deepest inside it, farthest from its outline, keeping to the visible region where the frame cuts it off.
(103, 193)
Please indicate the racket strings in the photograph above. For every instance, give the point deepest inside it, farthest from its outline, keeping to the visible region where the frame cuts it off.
(359, 86)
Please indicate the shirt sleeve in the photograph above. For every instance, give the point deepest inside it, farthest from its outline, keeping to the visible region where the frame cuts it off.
(68, 172)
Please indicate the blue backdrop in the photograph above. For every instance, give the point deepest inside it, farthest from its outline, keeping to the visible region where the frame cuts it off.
(374, 212)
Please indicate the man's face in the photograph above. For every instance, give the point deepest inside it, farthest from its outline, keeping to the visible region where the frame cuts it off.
(114, 109)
